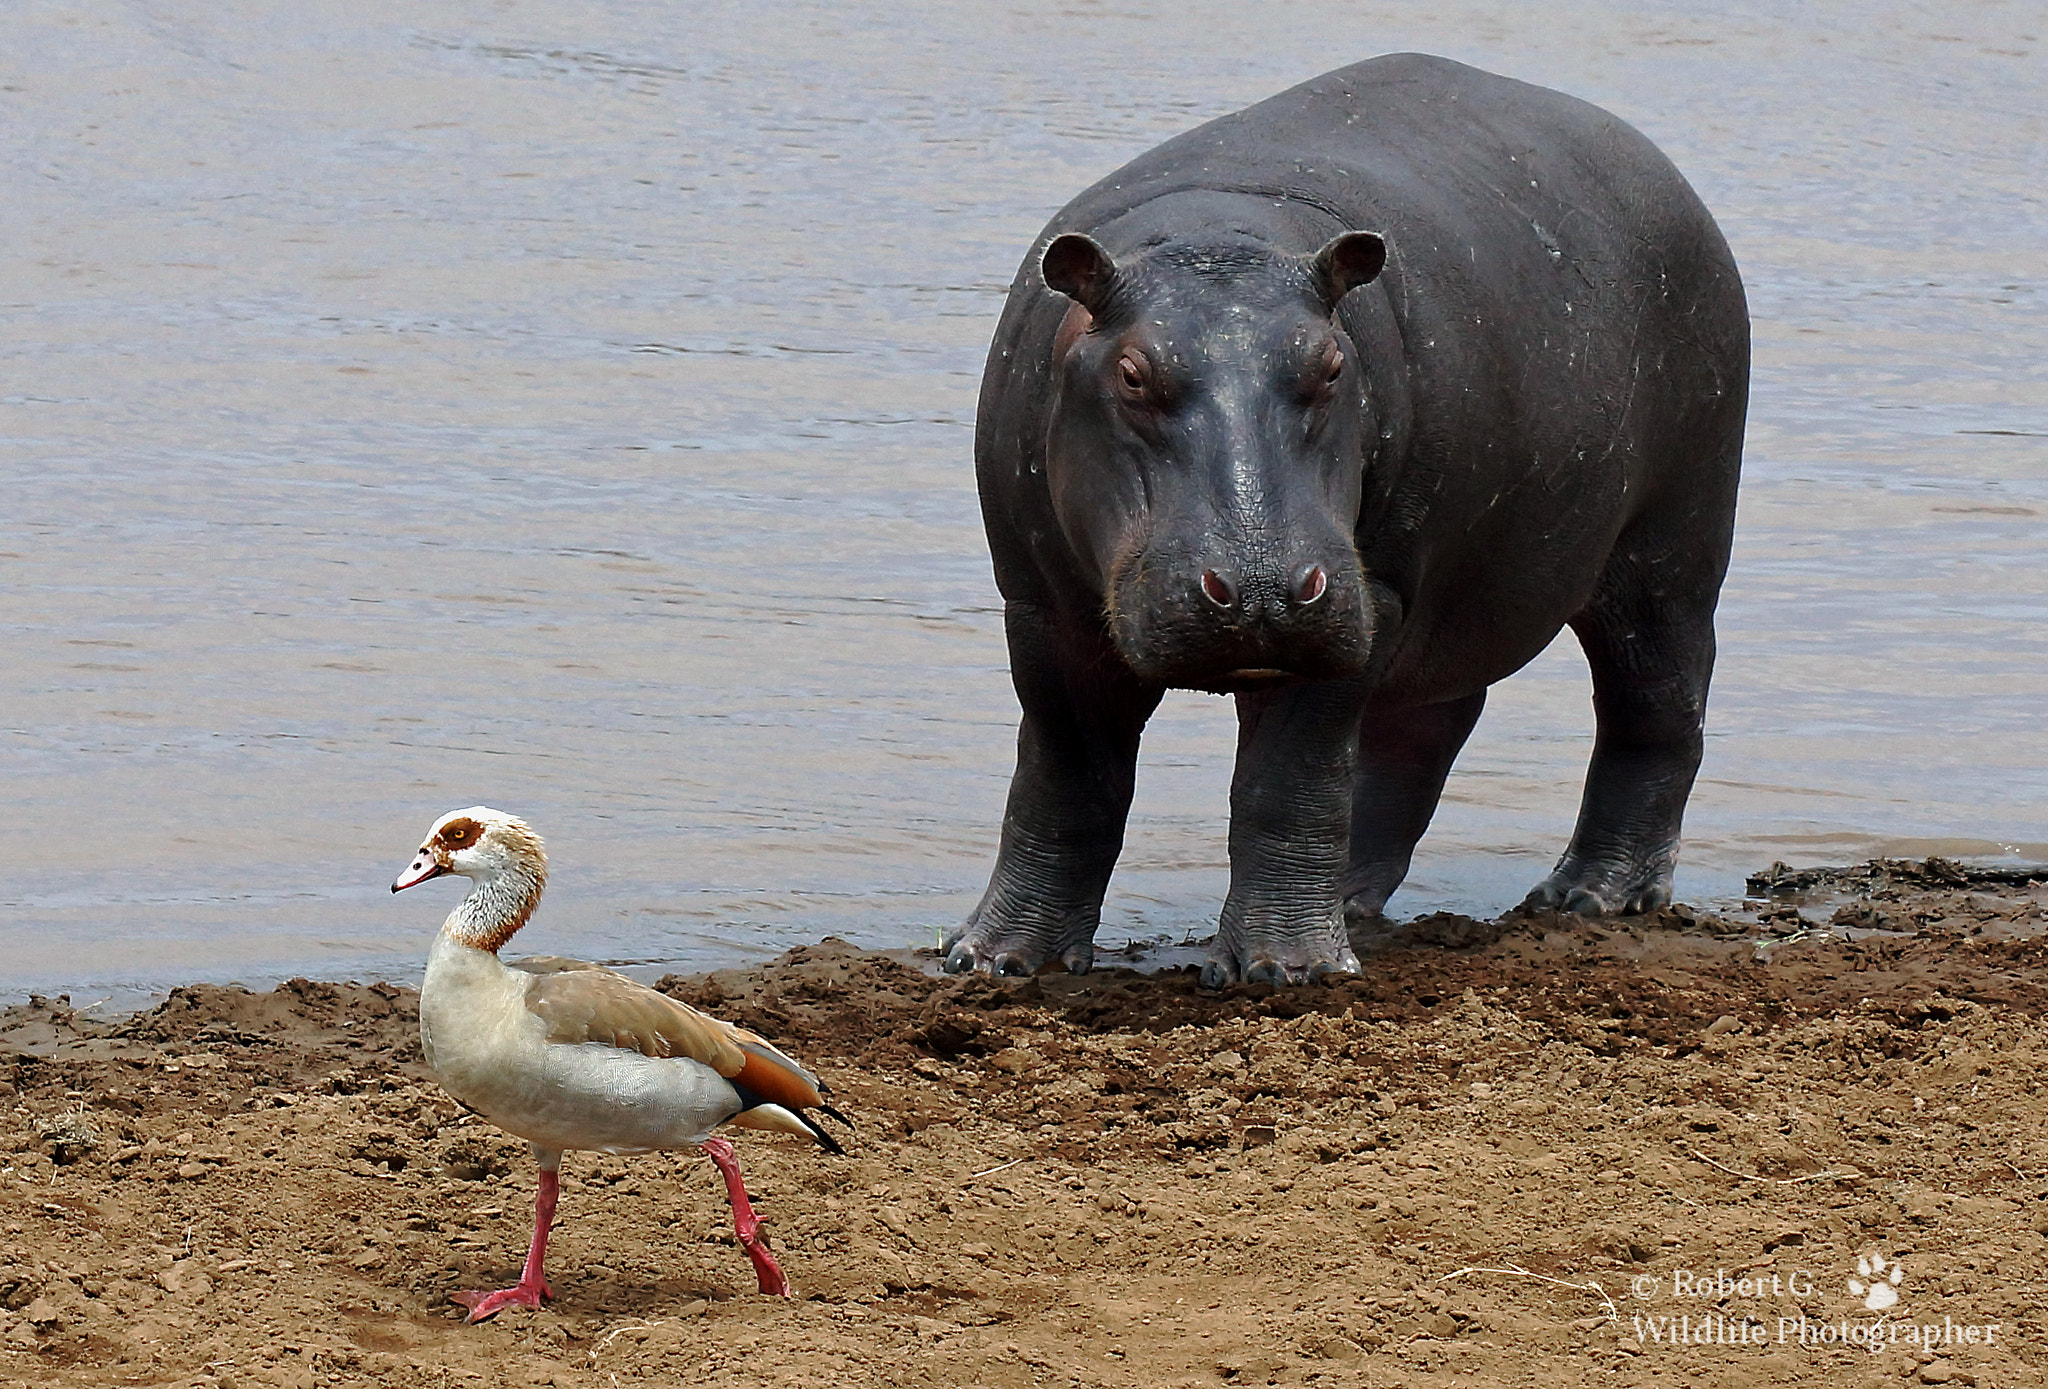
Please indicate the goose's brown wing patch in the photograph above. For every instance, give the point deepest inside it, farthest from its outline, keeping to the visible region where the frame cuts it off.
(595, 1005)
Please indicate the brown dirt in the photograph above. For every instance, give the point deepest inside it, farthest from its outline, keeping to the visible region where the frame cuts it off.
(1462, 1167)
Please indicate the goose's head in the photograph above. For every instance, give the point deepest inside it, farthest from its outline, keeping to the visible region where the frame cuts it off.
(481, 844)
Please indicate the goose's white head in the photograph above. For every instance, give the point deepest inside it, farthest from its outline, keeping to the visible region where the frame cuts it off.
(477, 843)
(497, 852)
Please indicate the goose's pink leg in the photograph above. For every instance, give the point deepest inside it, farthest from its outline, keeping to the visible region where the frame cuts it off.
(745, 1223)
(533, 1284)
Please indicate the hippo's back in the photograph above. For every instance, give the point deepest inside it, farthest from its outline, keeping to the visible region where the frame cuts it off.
(1403, 139)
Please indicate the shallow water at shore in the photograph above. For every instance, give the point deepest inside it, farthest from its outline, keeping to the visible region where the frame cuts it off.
(569, 409)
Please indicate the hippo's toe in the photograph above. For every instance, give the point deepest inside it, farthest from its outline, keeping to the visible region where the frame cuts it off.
(1585, 902)
(1598, 890)
(1278, 964)
(1649, 897)
(965, 957)
(1265, 972)
(1012, 955)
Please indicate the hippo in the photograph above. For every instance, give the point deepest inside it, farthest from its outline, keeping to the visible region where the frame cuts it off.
(1345, 405)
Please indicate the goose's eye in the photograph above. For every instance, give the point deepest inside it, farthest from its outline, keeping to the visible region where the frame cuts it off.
(458, 836)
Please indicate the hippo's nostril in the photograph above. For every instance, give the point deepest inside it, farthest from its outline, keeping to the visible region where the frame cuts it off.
(1310, 583)
(1219, 589)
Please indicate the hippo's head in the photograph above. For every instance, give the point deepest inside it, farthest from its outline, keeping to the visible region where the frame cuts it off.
(1204, 455)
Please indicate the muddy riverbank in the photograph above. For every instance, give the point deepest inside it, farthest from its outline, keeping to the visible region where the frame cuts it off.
(1500, 1156)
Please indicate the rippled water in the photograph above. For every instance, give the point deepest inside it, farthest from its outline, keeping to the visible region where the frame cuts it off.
(568, 407)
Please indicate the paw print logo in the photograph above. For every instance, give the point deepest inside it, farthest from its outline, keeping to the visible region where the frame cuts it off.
(1879, 1284)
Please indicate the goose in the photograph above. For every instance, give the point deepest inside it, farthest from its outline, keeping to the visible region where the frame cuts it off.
(571, 1055)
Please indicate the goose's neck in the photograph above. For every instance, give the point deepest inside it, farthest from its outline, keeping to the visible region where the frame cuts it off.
(496, 906)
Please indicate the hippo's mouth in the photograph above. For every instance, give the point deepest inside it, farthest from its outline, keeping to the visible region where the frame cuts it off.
(1255, 678)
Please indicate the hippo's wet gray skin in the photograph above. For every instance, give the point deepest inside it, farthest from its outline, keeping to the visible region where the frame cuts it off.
(1345, 404)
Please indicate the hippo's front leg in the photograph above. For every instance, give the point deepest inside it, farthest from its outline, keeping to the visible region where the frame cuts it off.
(1077, 757)
(1290, 829)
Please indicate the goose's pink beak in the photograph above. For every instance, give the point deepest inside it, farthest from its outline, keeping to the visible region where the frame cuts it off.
(424, 866)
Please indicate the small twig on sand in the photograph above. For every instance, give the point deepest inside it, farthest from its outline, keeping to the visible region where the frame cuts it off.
(1517, 1271)
(622, 1330)
(991, 1171)
(1769, 1181)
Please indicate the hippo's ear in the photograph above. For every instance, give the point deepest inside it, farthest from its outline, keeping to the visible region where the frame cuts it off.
(1080, 269)
(1347, 260)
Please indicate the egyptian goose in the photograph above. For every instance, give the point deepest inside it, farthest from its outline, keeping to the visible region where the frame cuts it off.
(570, 1055)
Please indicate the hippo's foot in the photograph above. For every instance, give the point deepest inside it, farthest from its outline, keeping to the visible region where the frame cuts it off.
(1017, 950)
(1602, 889)
(1273, 956)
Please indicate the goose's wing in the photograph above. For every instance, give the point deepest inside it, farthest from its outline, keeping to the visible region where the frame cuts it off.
(551, 964)
(584, 1003)
(771, 1073)
(595, 1005)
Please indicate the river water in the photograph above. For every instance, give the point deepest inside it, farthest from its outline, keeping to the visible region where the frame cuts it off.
(568, 407)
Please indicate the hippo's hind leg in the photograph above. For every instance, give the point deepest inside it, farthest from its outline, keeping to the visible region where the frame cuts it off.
(1404, 755)
(1648, 635)
(1077, 758)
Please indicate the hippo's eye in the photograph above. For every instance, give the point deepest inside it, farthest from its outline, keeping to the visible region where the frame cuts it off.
(1130, 375)
(1329, 367)
(1320, 375)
